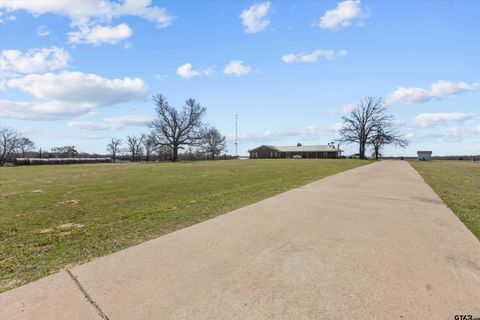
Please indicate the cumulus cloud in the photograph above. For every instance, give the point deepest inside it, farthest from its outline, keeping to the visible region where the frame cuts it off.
(255, 18)
(35, 60)
(144, 9)
(40, 110)
(112, 123)
(186, 71)
(343, 15)
(439, 89)
(452, 134)
(80, 87)
(92, 18)
(69, 93)
(92, 9)
(426, 120)
(314, 56)
(100, 34)
(237, 68)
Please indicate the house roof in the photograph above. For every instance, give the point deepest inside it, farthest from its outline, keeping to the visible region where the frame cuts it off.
(318, 148)
(430, 152)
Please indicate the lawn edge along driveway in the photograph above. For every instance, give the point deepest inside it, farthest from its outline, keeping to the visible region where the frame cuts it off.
(457, 183)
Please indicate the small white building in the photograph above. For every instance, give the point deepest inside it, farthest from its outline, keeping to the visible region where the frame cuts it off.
(424, 155)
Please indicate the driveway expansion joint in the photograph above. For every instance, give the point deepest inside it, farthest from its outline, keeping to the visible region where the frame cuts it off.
(87, 296)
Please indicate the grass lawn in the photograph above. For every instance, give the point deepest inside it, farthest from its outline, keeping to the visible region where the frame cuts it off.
(458, 184)
(53, 217)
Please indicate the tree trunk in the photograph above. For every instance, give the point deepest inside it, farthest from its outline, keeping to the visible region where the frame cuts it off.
(376, 152)
(362, 150)
(175, 154)
(213, 156)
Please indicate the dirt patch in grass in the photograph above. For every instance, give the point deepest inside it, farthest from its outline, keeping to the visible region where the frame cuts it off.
(73, 201)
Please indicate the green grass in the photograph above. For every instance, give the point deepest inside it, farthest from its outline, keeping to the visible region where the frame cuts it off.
(458, 184)
(53, 217)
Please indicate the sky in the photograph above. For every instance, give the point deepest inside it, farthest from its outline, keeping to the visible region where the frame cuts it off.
(81, 72)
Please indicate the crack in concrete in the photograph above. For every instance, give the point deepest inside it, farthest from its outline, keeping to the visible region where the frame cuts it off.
(87, 296)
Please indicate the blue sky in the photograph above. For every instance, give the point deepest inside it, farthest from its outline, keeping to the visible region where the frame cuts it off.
(79, 73)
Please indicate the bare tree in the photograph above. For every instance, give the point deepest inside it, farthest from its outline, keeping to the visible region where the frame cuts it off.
(362, 122)
(131, 144)
(139, 148)
(25, 145)
(8, 143)
(213, 142)
(383, 134)
(150, 145)
(113, 147)
(176, 129)
(134, 146)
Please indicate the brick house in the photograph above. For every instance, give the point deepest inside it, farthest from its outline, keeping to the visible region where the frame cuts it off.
(285, 152)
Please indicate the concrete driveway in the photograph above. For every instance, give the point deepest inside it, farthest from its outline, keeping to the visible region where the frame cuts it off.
(371, 243)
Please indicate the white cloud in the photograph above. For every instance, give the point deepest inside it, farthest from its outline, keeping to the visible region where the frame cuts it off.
(92, 18)
(41, 110)
(439, 89)
(255, 18)
(237, 68)
(186, 71)
(112, 123)
(92, 9)
(143, 8)
(33, 61)
(314, 56)
(69, 93)
(426, 120)
(78, 87)
(100, 34)
(452, 134)
(43, 31)
(343, 15)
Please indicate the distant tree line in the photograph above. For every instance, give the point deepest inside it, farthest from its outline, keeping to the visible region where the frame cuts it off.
(176, 134)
